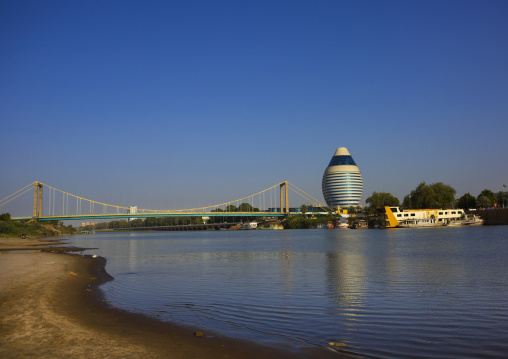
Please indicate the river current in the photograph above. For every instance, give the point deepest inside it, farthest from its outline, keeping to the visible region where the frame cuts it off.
(400, 293)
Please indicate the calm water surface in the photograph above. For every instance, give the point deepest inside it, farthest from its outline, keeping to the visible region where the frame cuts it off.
(402, 293)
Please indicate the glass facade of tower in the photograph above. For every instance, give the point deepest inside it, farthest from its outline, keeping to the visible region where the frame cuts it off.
(342, 181)
(342, 161)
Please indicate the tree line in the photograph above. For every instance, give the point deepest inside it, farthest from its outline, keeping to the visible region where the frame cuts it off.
(175, 221)
(147, 222)
(438, 195)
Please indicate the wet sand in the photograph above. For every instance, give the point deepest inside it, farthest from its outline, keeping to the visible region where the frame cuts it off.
(51, 307)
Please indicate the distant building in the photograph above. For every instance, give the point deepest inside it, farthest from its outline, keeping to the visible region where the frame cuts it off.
(342, 181)
(133, 210)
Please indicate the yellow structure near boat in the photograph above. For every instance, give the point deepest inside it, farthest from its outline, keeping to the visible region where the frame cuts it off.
(419, 218)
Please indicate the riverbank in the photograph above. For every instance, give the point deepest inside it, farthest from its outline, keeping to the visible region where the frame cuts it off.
(36, 244)
(51, 307)
(32, 229)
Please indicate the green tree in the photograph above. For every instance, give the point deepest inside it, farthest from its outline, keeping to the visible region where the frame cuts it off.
(482, 202)
(502, 199)
(301, 222)
(246, 207)
(5, 217)
(369, 210)
(467, 201)
(101, 225)
(113, 224)
(231, 208)
(304, 209)
(135, 223)
(445, 195)
(486, 198)
(118, 224)
(436, 195)
(151, 222)
(422, 197)
(382, 199)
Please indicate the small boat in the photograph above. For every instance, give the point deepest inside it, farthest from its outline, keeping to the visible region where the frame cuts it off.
(456, 223)
(420, 223)
(474, 220)
(342, 223)
(468, 220)
(359, 225)
(249, 225)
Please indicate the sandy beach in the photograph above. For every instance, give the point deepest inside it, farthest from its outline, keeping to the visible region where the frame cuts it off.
(51, 307)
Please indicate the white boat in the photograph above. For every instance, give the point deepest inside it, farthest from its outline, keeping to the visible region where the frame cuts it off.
(474, 220)
(469, 220)
(249, 225)
(456, 223)
(342, 223)
(421, 223)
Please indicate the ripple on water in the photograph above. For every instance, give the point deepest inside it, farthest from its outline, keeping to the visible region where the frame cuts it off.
(385, 294)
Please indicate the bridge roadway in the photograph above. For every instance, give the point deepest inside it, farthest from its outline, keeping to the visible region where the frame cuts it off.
(152, 215)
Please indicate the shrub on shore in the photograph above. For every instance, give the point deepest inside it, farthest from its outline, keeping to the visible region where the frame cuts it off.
(10, 228)
(303, 222)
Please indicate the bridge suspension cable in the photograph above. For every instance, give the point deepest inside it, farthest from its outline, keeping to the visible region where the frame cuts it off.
(67, 208)
(78, 200)
(204, 209)
(85, 207)
(8, 198)
(308, 197)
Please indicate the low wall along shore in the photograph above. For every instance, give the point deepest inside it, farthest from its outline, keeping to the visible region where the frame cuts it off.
(493, 216)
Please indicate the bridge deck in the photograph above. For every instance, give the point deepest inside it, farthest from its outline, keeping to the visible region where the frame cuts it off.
(151, 215)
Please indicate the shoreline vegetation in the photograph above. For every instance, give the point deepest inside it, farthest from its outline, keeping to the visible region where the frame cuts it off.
(10, 228)
(52, 307)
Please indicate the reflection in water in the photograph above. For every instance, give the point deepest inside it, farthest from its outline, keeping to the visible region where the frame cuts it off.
(345, 268)
(402, 293)
(285, 269)
(133, 255)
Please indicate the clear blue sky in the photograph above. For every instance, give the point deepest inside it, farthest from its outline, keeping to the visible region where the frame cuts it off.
(166, 104)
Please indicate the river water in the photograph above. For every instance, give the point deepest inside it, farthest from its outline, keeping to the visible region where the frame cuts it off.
(400, 293)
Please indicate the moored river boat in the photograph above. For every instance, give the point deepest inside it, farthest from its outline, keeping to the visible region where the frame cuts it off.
(414, 218)
(421, 223)
(469, 220)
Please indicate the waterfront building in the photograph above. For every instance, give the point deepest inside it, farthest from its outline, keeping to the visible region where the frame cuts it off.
(342, 181)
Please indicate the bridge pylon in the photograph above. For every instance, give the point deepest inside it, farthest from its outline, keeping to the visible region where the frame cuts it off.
(37, 199)
(284, 199)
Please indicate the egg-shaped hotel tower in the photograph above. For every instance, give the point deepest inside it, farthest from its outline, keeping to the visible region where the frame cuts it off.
(342, 181)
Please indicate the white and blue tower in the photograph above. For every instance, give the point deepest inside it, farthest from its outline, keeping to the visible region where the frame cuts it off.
(342, 181)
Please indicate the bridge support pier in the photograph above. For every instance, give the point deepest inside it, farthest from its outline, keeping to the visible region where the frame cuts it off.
(284, 197)
(37, 200)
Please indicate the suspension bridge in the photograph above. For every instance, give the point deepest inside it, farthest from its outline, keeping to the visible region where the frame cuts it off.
(52, 204)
